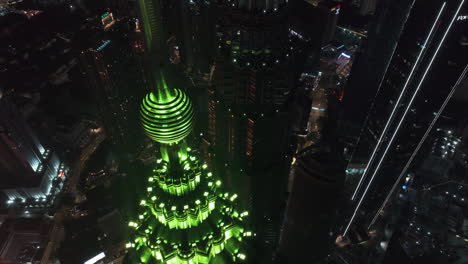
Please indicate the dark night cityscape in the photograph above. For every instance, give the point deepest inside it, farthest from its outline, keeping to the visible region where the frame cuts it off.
(233, 131)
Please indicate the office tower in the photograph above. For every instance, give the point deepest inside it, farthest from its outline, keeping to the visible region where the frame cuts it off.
(101, 84)
(251, 86)
(311, 207)
(31, 173)
(190, 27)
(422, 73)
(185, 217)
(316, 178)
(191, 46)
(107, 69)
(368, 70)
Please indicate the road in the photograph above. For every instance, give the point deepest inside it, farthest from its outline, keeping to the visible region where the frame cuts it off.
(77, 168)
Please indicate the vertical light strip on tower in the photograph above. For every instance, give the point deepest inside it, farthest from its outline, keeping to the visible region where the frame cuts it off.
(421, 142)
(403, 117)
(392, 115)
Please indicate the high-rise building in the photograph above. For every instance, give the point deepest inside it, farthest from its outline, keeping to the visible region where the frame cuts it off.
(370, 66)
(424, 68)
(31, 173)
(98, 76)
(311, 207)
(190, 27)
(107, 69)
(185, 218)
(247, 110)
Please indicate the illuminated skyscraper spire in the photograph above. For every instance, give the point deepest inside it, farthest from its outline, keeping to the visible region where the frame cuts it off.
(184, 218)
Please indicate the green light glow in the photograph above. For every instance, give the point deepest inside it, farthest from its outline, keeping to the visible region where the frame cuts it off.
(184, 217)
(187, 224)
(167, 119)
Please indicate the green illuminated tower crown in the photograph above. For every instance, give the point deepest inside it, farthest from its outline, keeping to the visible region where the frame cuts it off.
(167, 114)
(184, 218)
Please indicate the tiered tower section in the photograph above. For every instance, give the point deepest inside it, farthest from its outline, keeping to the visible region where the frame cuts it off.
(184, 218)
